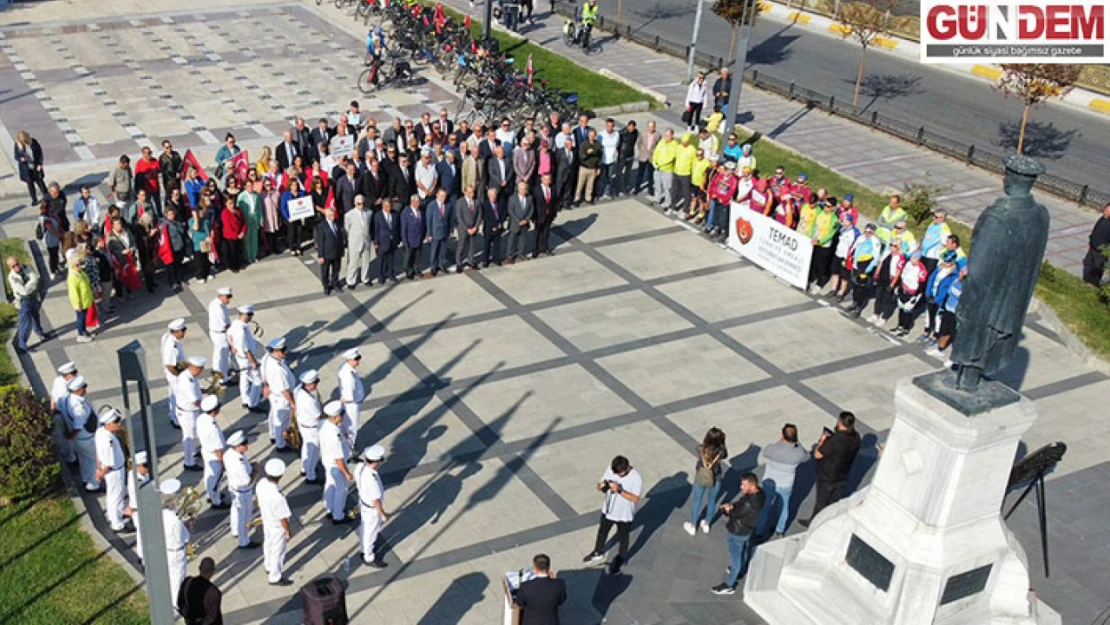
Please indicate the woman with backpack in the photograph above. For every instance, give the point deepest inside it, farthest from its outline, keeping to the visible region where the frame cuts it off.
(708, 472)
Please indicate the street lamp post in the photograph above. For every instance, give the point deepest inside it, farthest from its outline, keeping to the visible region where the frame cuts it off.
(694, 42)
(738, 69)
(487, 23)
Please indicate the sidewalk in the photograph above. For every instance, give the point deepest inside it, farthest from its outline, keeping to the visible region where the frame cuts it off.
(874, 159)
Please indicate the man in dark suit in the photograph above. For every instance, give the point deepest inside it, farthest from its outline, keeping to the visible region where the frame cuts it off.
(347, 187)
(487, 146)
(402, 183)
(438, 216)
(329, 251)
(546, 207)
(493, 226)
(520, 213)
(302, 137)
(566, 164)
(412, 235)
(387, 235)
(444, 125)
(541, 596)
(582, 131)
(499, 174)
(467, 215)
(286, 151)
(423, 129)
(321, 133)
(375, 189)
(448, 174)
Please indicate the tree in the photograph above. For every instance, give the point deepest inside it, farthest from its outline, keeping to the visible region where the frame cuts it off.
(1034, 83)
(737, 13)
(920, 199)
(864, 21)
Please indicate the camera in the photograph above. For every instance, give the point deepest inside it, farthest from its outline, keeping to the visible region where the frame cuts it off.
(605, 488)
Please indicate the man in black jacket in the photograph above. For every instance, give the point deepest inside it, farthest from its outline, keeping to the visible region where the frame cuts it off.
(1094, 263)
(835, 453)
(626, 156)
(329, 251)
(199, 599)
(742, 516)
(541, 596)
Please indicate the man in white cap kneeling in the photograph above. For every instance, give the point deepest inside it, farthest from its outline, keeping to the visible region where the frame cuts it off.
(211, 437)
(173, 354)
(111, 466)
(334, 453)
(177, 537)
(240, 482)
(351, 392)
(309, 412)
(218, 323)
(370, 491)
(188, 398)
(140, 475)
(82, 430)
(243, 347)
(275, 522)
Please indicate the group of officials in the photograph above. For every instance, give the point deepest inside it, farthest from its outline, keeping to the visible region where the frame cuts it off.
(326, 431)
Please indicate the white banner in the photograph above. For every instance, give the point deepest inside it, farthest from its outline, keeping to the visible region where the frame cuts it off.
(342, 145)
(301, 208)
(771, 245)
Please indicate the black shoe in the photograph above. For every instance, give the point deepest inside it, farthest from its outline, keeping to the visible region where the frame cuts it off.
(804, 522)
(193, 467)
(343, 521)
(435, 272)
(459, 269)
(251, 545)
(780, 535)
(474, 267)
(327, 292)
(485, 265)
(615, 565)
(378, 564)
(394, 281)
(126, 529)
(593, 557)
(723, 589)
(281, 582)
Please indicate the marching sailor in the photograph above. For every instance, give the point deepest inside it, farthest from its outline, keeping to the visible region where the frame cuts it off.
(241, 473)
(351, 392)
(280, 381)
(211, 437)
(58, 394)
(173, 354)
(243, 347)
(309, 413)
(188, 396)
(111, 466)
(371, 512)
(140, 475)
(177, 537)
(334, 453)
(82, 430)
(275, 513)
(218, 323)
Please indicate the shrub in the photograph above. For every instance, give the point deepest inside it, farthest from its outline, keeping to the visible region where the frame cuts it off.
(28, 465)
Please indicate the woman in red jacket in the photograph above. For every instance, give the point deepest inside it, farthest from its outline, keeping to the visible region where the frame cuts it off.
(233, 231)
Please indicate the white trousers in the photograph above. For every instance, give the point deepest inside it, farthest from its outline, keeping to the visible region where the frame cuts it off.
(187, 419)
(358, 263)
(278, 421)
(179, 568)
(250, 384)
(273, 552)
(368, 531)
(335, 492)
(171, 407)
(310, 453)
(220, 352)
(86, 456)
(242, 510)
(65, 445)
(213, 470)
(115, 483)
(350, 421)
(138, 531)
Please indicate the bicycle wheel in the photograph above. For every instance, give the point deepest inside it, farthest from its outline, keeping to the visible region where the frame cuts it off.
(366, 79)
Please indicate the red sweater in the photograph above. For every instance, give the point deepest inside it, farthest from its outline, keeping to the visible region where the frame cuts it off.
(233, 224)
(149, 170)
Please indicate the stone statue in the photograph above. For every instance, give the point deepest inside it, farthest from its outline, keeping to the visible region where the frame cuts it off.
(1007, 248)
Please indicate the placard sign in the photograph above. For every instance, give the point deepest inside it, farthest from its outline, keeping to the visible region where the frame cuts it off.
(771, 245)
(301, 208)
(342, 145)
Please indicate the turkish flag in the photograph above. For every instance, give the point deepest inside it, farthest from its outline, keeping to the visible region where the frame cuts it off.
(240, 164)
(189, 161)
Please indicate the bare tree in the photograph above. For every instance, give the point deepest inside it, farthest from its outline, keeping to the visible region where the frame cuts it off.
(737, 13)
(1034, 83)
(864, 21)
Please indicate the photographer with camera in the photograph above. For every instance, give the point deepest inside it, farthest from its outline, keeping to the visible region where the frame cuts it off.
(621, 485)
(835, 452)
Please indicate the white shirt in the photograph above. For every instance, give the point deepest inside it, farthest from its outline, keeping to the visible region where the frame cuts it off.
(697, 93)
(177, 535)
(188, 392)
(271, 504)
(78, 410)
(333, 445)
(238, 470)
(506, 137)
(210, 434)
(617, 507)
(218, 320)
(240, 338)
(609, 142)
(172, 352)
(308, 411)
(92, 210)
(350, 385)
(561, 141)
(135, 480)
(109, 453)
(426, 176)
(369, 485)
(743, 191)
(279, 377)
(59, 391)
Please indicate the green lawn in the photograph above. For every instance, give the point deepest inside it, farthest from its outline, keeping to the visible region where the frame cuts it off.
(50, 571)
(594, 90)
(1076, 304)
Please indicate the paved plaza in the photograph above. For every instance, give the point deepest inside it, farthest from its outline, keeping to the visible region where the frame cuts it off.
(501, 395)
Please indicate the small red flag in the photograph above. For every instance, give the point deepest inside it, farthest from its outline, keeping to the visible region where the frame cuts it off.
(466, 22)
(189, 161)
(240, 164)
(330, 202)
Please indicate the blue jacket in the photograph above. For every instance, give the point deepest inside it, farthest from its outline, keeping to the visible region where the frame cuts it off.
(412, 228)
(952, 300)
(867, 250)
(447, 179)
(386, 234)
(439, 224)
(936, 289)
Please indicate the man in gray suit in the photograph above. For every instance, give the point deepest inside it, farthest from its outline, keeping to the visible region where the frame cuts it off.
(499, 173)
(520, 212)
(467, 215)
(358, 222)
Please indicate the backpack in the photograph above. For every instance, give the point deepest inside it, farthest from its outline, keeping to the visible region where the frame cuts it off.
(706, 476)
(91, 423)
(38, 230)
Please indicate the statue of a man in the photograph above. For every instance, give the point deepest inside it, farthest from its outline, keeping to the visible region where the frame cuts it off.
(1007, 248)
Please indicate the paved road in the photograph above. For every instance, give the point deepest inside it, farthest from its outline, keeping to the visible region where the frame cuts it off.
(1072, 143)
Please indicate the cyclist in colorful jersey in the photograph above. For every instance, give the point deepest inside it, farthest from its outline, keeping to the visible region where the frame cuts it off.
(948, 316)
(911, 289)
(862, 260)
(887, 276)
(722, 188)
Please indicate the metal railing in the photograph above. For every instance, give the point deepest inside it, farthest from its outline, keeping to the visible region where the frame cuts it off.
(987, 158)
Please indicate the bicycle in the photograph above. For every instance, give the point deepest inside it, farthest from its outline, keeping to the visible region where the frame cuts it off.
(398, 72)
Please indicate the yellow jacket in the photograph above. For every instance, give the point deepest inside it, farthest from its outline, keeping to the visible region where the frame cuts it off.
(80, 289)
(664, 155)
(684, 160)
(701, 167)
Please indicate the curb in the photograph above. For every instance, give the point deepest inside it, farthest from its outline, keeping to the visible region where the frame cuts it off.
(1090, 101)
(655, 95)
(632, 107)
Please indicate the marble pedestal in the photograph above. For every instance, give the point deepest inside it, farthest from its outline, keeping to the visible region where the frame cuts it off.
(925, 543)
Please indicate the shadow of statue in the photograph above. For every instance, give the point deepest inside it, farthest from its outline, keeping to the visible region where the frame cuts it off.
(456, 601)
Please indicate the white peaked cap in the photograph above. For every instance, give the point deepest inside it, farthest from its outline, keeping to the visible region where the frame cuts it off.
(237, 438)
(351, 354)
(77, 383)
(141, 457)
(373, 453)
(224, 290)
(176, 324)
(170, 486)
(66, 368)
(275, 467)
(209, 403)
(310, 376)
(197, 361)
(333, 408)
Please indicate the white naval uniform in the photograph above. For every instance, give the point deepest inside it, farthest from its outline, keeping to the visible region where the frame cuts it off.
(279, 378)
(242, 495)
(177, 537)
(272, 507)
(218, 323)
(309, 412)
(79, 411)
(109, 453)
(211, 438)
(351, 393)
(188, 396)
(173, 353)
(250, 380)
(370, 489)
(135, 480)
(333, 447)
(58, 392)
